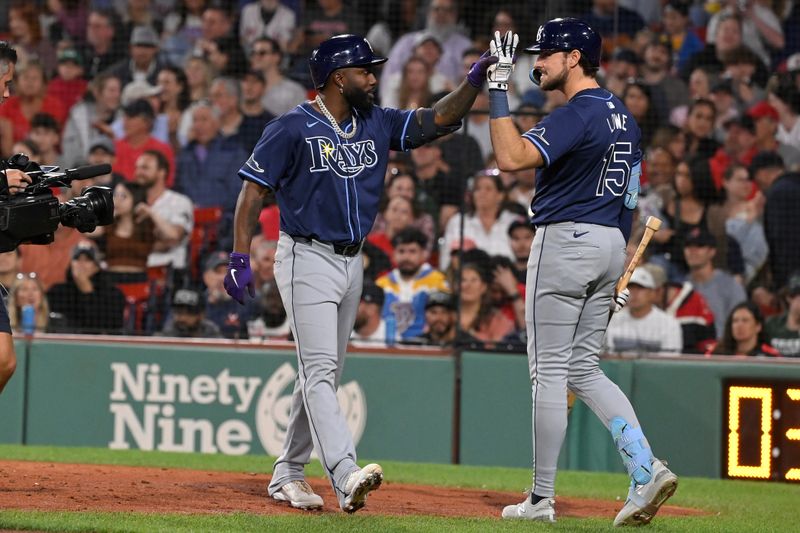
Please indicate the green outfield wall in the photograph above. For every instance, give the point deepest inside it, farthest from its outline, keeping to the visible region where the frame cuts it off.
(474, 409)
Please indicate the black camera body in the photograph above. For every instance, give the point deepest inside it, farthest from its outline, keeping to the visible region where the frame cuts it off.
(33, 214)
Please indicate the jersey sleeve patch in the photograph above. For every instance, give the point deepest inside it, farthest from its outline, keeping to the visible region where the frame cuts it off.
(557, 134)
(271, 157)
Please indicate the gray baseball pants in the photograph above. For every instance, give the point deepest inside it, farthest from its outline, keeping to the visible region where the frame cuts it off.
(321, 292)
(572, 271)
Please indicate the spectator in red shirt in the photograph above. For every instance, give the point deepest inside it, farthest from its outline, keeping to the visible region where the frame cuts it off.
(68, 85)
(31, 98)
(740, 147)
(138, 125)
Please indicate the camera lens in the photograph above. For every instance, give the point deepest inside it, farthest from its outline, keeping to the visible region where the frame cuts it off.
(95, 207)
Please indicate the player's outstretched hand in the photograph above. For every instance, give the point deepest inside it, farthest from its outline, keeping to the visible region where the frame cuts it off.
(620, 300)
(503, 48)
(239, 277)
(477, 72)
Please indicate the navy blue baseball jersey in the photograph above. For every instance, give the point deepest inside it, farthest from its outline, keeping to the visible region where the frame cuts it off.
(590, 148)
(327, 187)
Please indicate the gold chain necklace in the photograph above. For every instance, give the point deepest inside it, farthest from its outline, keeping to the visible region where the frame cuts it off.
(334, 124)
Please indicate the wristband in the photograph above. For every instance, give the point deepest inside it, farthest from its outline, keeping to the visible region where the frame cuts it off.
(498, 104)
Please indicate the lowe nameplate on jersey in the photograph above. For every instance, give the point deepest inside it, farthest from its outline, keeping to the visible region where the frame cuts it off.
(155, 410)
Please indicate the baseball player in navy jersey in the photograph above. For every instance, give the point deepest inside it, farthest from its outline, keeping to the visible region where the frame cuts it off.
(588, 159)
(325, 161)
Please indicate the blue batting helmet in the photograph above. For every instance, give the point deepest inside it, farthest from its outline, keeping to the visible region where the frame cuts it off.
(568, 34)
(340, 51)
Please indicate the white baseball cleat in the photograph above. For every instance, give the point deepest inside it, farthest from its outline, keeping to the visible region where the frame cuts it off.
(645, 500)
(359, 484)
(300, 495)
(544, 511)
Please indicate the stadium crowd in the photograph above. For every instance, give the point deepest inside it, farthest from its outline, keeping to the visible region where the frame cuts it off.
(174, 95)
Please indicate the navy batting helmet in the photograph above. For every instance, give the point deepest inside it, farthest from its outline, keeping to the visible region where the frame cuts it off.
(340, 51)
(568, 34)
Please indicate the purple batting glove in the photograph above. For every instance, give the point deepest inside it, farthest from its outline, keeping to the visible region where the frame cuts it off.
(239, 277)
(477, 72)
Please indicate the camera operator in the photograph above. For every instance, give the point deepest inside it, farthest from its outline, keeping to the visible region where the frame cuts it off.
(15, 181)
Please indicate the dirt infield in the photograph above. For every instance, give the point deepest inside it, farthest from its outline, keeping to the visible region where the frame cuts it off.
(74, 487)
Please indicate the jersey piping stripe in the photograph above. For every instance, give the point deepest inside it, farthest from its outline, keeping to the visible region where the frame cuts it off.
(257, 180)
(595, 97)
(302, 370)
(536, 354)
(403, 135)
(355, 191)
(539, 147)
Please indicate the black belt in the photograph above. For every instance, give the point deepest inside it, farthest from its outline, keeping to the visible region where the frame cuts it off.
(347, 250)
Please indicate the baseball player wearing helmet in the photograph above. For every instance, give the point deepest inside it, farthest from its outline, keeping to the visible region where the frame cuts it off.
(325, 161)
(589, 162)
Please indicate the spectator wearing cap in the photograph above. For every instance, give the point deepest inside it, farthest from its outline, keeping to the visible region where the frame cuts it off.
(30, 98)
(413, 86)
(442, 22)
(230, 317)
(486, 222)
(761, 29)
(266, 18)
(669, 91)
(187, 317)
(68, 85)
(767, 119)
(765, 168)
(91, 118)
(690, 309)
(281, 94)
(783, 331)
(102, 152)
(46, 133)
(138, 122)
(255, 116)
(144, 62)
(641, 327)
(520, 237)
(87, 300)
(370, 327)
(726, 106)
(438, 179)
(784, 96)
(207, 167)
(172, 213)
(143, 90)
(719, 288)
(739, 147)
(407, 286)
(728, 37)
(781, 222)
(684, 42)
(440, 322)
(103, 46)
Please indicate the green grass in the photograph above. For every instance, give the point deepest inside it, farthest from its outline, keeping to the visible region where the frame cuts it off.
(732, 506)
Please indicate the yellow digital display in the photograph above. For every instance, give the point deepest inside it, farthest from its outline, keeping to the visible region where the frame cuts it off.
(762, 431)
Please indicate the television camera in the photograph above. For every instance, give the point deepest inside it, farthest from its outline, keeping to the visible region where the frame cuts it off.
(33, 214)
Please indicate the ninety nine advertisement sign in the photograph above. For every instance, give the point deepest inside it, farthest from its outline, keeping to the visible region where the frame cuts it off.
(149, 405)
(226, 400)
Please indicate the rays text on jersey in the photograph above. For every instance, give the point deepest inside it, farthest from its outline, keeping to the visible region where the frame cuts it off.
(346, 160)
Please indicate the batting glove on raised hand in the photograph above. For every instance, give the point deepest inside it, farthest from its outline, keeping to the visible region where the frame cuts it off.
(239, 277)
(620, 300)
(502, 48)
(477, 72)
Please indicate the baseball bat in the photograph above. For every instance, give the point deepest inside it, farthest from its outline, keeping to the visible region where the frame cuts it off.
(652, 225)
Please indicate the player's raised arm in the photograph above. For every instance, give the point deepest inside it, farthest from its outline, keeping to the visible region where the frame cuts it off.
(511, 151)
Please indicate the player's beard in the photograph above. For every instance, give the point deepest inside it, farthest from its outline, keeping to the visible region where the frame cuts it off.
(360, 99)
(556, 83)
